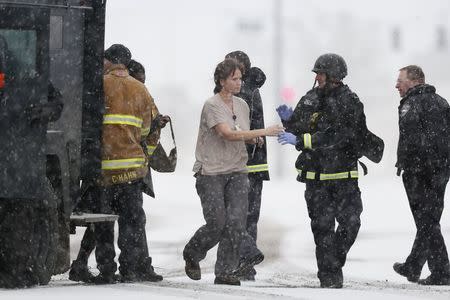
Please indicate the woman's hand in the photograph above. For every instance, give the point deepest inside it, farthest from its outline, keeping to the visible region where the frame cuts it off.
(274, 130)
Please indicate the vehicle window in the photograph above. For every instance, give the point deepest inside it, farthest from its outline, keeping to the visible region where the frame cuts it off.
(18, 53)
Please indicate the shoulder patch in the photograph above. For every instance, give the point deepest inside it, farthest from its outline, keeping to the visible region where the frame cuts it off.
(404, 110)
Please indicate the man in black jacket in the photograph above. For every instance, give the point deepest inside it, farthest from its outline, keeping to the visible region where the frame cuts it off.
(327, 126)
(258, 170)
(423, 155)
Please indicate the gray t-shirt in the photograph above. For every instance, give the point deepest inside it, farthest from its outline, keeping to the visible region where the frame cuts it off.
(215, 155)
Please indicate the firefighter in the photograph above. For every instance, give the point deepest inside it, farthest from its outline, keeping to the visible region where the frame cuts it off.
(126, 123)
(326, 127)
(79, 270)
(423, 156)
(252, 80)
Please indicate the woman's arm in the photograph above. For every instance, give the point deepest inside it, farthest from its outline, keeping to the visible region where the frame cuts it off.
(224, 130)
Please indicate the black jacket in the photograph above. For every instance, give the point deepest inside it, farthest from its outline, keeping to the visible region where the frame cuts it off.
(336, 123)
(424, 123)
(23, 120)
(257, 156)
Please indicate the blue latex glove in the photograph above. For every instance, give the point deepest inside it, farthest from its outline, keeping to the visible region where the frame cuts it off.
(285, 112)
(287, 138)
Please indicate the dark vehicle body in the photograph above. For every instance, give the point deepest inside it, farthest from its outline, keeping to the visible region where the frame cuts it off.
(57, 43)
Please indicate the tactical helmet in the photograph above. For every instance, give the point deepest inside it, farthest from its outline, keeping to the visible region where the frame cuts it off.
(331, 64)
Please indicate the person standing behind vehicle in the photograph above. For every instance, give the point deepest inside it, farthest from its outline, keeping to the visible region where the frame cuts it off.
(424, 156)
(79, 270)
(252, 80)
(326, 126)
(222, 180)
(28, 204)
(127, 119)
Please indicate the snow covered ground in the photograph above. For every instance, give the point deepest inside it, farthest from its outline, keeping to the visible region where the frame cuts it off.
(288, 271)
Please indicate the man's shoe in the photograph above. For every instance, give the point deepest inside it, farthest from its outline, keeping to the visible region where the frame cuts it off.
(435, 280)
(330, 284)
(229, 280)
(245, 265)
(249, 276)
(128, 277)
(403, 270)
(105, 279)
(80, 272)
(146, 272)
(192, 269)
(333, 281)
(150, 275)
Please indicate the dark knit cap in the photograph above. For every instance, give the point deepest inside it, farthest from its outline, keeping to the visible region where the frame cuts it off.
(118, 54)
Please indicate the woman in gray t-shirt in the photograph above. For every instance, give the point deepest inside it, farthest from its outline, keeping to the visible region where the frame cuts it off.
(222, 182)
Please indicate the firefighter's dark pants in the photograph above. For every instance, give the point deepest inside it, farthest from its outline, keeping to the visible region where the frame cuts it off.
(124, 200)
(254, 204)
(91, 202)
(248, 244)
(425, 191)
(224, 203)
(329, 201)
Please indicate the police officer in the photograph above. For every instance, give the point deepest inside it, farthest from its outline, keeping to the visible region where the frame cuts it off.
(258, 171)
(423, 156)
(326, 126)
(28, 205)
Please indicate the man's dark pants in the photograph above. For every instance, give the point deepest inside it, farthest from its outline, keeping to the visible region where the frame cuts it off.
(425, 191)
(126, 201)
(329, 201)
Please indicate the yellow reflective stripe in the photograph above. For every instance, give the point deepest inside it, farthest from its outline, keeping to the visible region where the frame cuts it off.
(145, 131)
(307, 143)
(330, 176)
(310, 175)
(342, 175)
(118, 164)
(122, 120)
(258, 168)
(150, 149)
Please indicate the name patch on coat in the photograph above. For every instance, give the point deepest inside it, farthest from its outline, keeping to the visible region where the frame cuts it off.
(124, 177)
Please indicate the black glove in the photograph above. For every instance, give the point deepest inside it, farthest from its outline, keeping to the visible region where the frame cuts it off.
(43, 113)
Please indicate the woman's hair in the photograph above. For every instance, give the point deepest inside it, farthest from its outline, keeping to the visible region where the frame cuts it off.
(134, 68)
(224, 70)
(241, 57)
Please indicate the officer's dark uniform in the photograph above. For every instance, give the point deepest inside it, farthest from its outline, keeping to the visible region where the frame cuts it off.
(28, 205)
(423, 154)
(328, 125)
(257, 156)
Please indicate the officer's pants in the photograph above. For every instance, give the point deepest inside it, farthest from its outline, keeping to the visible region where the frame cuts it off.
(248, 244)
(124, 200)
(254, 205)
(425, 191)
(329, 201)
(224, 203)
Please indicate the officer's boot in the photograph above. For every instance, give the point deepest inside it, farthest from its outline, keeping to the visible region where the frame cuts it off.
(79, 271)
(404, 270)
(147, 273)
(107, 274)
